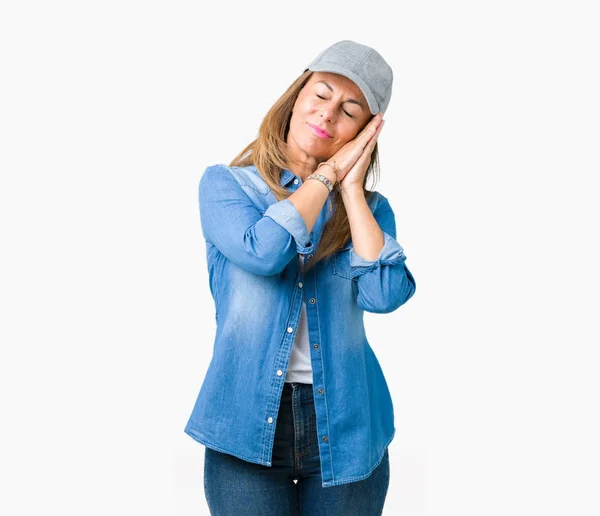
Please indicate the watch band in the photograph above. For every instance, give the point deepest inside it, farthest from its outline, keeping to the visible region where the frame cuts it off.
(323, 180)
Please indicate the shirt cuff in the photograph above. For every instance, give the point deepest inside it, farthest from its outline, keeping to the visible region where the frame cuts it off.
(392, 253)
(289, 218)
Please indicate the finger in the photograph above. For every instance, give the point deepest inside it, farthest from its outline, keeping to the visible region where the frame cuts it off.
(373, 139)
(370, 145)
(352, 150)
(365, 137)
(371, 126)
(379, 128)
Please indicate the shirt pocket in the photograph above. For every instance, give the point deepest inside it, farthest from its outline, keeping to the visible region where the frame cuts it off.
(341, 262)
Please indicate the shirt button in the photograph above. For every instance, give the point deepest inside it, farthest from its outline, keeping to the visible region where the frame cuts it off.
(300, 284)
(279, 373)
(309, 256)
(316, 346)
(295, 181)
(290, 329)
(320, 391)
(325, 438)
(270, 420)
(312, 300)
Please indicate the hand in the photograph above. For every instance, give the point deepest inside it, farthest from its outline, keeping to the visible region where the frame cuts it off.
(353, 159)
(356, 175)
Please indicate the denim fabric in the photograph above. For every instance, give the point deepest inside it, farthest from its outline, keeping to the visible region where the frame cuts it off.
(253, 244)
(234, 487)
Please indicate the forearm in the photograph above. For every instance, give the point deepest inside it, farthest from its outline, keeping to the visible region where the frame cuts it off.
(311, 196)
(367, 237)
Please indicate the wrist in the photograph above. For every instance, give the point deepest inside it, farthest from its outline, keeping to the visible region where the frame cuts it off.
(352, 191)
(329, 170)
(328, 173)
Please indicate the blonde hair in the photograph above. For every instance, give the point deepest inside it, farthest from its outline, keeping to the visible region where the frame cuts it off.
(268, 153)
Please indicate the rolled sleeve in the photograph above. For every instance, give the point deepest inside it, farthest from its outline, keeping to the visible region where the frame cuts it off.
(288, 217)
(392, 253)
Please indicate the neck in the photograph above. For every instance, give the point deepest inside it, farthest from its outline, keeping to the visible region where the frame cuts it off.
(299, 162)
(304, 168)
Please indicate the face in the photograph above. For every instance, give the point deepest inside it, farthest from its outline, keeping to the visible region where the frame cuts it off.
(329, 112)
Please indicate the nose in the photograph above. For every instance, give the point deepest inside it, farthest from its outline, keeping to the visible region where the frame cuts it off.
(327, 113)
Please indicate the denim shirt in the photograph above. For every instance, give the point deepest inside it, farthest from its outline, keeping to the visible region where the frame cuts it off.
(253, 244)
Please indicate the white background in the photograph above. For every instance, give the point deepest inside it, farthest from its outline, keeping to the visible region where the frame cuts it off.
(109, 113)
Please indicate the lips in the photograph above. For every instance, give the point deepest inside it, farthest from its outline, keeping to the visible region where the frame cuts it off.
(320, 132)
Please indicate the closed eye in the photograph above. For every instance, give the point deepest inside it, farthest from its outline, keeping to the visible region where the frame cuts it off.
(342, 109)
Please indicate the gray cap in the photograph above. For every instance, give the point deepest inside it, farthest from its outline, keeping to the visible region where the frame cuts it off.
(361, 64)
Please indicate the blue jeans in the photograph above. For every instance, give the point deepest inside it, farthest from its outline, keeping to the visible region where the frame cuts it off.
(235, 487)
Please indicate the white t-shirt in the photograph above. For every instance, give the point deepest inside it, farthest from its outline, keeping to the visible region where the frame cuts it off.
(300, 367)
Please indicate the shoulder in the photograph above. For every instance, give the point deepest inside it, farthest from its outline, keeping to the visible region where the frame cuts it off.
(248, 176)
(378, 202)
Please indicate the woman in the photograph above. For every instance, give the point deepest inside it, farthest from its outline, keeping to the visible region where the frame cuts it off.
(294, 410)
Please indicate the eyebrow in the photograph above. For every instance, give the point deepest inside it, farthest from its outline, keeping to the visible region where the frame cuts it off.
(353, 101)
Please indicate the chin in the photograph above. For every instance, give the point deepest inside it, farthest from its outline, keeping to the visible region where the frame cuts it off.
(310, 144)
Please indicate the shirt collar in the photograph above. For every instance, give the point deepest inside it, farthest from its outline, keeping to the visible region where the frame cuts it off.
(286, 177)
